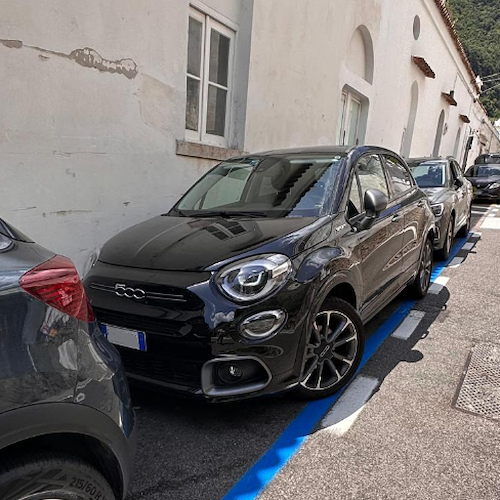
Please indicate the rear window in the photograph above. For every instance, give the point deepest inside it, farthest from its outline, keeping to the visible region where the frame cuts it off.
(488, 159)
(483, 171)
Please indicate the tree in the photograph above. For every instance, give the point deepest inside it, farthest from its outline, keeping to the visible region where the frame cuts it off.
(478, 25)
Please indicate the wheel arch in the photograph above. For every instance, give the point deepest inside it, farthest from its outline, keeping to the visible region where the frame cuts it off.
(71, 429)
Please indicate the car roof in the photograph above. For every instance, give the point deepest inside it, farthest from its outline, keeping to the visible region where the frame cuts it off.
(426, 158)
(307, 150)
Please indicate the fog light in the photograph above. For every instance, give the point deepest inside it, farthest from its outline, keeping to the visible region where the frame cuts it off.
(262, 325)
(229, 373)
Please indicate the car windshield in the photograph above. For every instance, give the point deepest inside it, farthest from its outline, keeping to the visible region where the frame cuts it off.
(292, 186)
(484, 171)
(430, 173)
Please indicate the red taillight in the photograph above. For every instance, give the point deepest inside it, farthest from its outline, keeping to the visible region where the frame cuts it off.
(56, 283)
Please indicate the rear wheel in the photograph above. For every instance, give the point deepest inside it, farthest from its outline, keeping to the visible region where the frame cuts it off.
(423, 279)
(333, 351)
(52, 477)
(444, 253)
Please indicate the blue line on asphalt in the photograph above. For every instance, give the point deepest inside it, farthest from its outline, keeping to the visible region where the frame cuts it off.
(267, 467)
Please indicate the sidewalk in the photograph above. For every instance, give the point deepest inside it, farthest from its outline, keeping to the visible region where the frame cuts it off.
(408, 441)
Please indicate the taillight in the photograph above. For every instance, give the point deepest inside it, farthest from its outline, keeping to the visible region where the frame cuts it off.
(57, 284)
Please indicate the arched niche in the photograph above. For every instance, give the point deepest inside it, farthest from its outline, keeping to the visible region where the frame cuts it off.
(412, 117)
(360, 56)
(439, 134)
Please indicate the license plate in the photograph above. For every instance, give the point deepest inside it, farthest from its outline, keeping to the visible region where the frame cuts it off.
(125, 338)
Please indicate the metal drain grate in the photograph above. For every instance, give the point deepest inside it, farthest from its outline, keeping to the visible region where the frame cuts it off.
(479, 392)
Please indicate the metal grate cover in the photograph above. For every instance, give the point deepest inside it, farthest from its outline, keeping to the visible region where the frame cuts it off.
(479, 392)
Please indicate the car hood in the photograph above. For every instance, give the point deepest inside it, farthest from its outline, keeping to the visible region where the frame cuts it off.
(193, 244)
(482, 182)
(436, 194)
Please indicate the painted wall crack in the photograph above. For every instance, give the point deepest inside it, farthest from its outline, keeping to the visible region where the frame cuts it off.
(86, 57)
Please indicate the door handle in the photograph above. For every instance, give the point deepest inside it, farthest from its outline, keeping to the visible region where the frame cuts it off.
(397, 217)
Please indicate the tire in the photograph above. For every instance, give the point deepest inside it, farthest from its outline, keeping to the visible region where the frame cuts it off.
(464, 230)
(444, 253)
(50, 476)
(422, 281)
(330, 362)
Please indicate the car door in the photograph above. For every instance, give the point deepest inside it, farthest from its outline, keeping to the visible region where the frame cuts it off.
(463, 193)
(378, 249)
(410, 201)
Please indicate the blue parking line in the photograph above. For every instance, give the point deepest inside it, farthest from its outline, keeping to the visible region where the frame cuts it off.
(256, 479)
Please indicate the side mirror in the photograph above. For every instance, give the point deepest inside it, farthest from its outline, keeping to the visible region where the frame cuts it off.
(375, 203)
(458, 183)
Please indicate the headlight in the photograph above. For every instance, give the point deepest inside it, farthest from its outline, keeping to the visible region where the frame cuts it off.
(255, 278)
(438, 209)
(495, 185)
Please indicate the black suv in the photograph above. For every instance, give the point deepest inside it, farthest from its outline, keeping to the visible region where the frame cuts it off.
(260, 278)
(66, 422)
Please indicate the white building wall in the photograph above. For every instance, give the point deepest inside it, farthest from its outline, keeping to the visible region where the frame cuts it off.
(85, 153)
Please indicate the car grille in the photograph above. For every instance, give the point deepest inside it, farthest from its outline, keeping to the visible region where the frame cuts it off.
(156, 367)
(147, 324)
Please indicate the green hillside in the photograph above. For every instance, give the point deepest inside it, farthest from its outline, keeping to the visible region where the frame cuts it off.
(478, 25)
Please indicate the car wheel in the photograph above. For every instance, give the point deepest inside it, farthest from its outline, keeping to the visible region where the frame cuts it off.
(444, 253)
(423, 279)
(333, 351)
(464, 230)
(52, 477)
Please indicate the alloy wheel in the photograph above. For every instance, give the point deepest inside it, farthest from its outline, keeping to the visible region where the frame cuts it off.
(330, 352)
(426, 267)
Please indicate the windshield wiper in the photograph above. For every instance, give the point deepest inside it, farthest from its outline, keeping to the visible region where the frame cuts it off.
(228, 214)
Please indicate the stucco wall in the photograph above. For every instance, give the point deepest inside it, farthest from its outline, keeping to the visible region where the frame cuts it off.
(307, 68)
(86, 152)
(88, 139)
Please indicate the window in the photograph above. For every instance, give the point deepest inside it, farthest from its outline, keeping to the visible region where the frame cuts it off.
(432, 173)
(349, 120)
(456, 171)
(399, 175)
(209, 66)
(369, 175)
(266, 186)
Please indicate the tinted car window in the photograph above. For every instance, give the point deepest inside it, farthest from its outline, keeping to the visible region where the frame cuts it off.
(455, 170)
(430, 173)
(355, 205)
(483, 171)
(399, 175)
(371, 175)
(297, 185)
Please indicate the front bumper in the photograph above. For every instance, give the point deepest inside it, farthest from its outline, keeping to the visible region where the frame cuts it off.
(486, 194)
(191, 344)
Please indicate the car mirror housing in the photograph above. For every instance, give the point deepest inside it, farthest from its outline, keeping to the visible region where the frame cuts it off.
(375, 203)
(458, 183)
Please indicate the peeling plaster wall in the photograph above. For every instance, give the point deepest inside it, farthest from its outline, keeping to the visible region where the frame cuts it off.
(93, 101)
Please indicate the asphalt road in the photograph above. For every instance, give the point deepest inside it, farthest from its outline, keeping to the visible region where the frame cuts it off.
(406, 441)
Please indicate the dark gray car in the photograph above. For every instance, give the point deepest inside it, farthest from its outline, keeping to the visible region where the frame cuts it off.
(485, 180)
(450, 195)
(66, 421)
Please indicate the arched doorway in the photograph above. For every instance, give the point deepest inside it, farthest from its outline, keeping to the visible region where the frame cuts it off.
(410, 127)
(439, 135)
(457, 144)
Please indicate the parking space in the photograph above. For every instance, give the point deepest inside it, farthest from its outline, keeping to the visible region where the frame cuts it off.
(393, 432)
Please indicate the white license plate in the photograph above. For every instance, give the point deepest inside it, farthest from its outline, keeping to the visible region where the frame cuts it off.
(125, 338)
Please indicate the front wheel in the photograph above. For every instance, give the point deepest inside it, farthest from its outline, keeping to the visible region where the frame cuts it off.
(333, 351)
(52, 477)
(423, 279)
(444, 253)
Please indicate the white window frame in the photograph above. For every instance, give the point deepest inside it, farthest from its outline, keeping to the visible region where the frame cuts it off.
(209, 23)
(345, 117)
